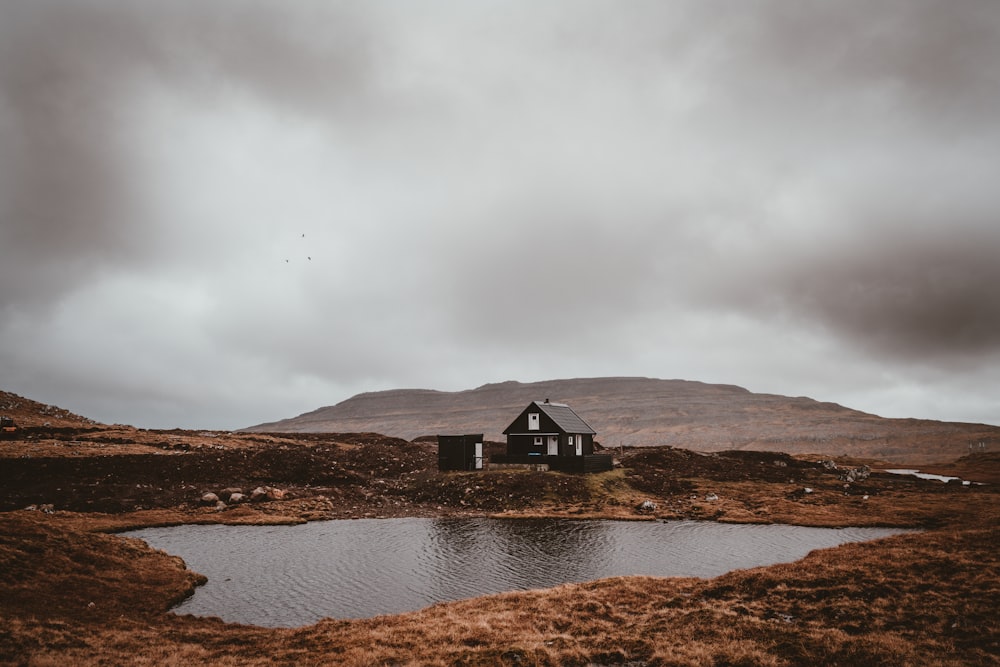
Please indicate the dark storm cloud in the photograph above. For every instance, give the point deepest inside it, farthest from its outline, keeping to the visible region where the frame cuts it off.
(928, 304)
(893, 112)
(70, 73)
(928, 299)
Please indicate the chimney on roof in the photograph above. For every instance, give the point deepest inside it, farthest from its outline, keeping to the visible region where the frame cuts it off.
(546, 400)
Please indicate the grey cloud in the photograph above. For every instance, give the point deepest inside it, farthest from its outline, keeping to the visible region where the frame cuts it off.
(933, 298)
(647, 172)
(926, 298)
(539, 266)
(70, 74)
(922, 58)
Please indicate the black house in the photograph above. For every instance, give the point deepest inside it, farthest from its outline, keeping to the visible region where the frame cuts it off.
(551, 433)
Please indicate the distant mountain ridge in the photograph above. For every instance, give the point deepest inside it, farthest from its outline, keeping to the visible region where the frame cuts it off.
(638, 411)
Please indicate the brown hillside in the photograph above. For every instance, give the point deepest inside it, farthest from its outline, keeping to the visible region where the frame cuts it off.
(26, 412)
(645, 411)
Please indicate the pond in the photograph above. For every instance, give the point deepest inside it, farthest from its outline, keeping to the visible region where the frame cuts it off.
(926, 475)
(287, 576)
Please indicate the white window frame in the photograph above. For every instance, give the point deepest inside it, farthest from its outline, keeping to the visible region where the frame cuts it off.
(533, 421)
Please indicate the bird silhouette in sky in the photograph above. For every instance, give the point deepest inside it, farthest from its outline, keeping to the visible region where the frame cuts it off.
(308, 257)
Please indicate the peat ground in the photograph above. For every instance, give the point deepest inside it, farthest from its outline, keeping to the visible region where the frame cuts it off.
(73, 594)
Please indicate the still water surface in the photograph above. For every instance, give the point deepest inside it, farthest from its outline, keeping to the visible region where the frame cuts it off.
(286, 576)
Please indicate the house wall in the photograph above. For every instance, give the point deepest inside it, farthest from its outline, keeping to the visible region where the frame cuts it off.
(545, 423)
(566, 449)
(521, 439)
(521, 444)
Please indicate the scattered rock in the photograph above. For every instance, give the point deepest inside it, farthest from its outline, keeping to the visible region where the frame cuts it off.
(237, 498)
(710, 497)
(219, 506)
(646, 506)
(799, 493)
(226, 493)
(856, 474)
(514, 656)
(778, 616)
(262, 493)
(209, 499)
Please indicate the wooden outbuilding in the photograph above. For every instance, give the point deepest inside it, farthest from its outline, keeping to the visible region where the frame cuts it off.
(460, 452)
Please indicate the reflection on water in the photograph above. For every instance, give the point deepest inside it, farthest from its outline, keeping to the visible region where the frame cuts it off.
(285, 576)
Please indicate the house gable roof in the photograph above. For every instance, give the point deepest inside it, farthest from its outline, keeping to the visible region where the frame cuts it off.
(561, 414)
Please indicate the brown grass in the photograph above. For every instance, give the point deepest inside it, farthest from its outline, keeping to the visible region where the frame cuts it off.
(913, 599)
(72, 595)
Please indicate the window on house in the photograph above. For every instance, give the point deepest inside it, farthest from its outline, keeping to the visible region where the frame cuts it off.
(570, 440)
(532, 421)
(538, 441)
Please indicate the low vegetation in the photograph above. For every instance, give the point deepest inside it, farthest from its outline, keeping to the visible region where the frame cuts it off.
(75, 594)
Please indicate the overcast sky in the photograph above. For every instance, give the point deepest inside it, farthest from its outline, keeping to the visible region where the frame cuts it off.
(214, 214)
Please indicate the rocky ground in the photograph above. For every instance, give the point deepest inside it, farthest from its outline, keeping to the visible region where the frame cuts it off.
(73, 594)
(118, 470)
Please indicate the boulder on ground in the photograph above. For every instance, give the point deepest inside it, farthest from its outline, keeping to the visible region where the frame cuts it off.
(646, 506)
(267, 493)
(209, 499)
(856, 474)
(236, 498)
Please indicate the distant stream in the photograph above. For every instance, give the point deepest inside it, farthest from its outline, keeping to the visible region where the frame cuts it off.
(287, 576)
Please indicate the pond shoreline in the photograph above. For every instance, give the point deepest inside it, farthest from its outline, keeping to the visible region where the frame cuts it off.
(361, 568)
(76, 594)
